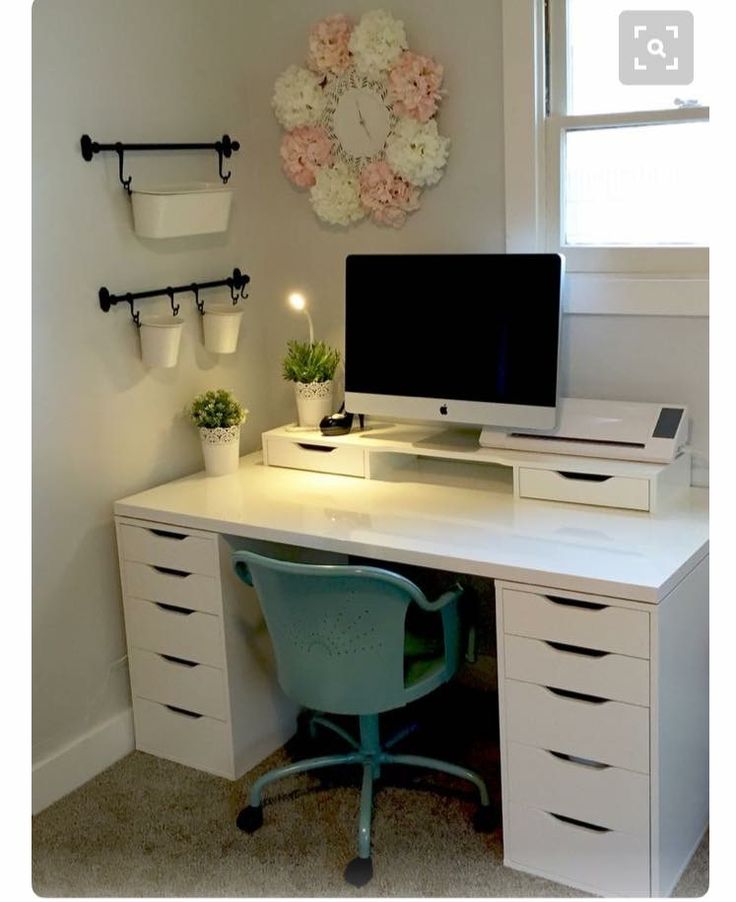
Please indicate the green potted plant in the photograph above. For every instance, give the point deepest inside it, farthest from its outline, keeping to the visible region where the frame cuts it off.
(311, 366)
(218, 415)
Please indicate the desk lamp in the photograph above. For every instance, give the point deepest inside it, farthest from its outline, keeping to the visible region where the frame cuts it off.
(298, 302)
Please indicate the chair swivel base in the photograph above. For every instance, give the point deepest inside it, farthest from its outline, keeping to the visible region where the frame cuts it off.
(370, 754)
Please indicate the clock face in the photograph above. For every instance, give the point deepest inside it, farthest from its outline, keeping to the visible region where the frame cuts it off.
(361, 122)
(357, 118)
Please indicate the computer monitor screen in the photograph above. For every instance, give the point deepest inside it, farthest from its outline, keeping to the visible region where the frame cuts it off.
(460, 338)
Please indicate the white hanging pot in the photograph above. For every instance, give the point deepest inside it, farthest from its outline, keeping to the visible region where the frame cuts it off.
(221, 324)
(160, 339)
(221, 450)
(313, 401)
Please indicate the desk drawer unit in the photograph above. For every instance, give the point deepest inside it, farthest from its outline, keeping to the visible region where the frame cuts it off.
(574, 681)
(590, 856)
(184, 736)
(186, 684)
(174, 623)
(578, 669)
(343, 460)
(556, 617)
(180, 632)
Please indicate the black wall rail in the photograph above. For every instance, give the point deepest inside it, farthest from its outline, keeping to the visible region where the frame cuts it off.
(225, 147)
(236, 283)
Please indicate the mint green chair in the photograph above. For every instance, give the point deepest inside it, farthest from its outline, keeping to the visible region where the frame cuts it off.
(342, 647)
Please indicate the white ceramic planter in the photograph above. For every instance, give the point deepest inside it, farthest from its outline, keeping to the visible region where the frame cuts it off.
(221, 450)
(221, 325)
(171, 211)
(313, 401)
(160, 339)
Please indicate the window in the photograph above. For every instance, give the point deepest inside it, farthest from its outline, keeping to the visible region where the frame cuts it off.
(611, 175)
(625, 166)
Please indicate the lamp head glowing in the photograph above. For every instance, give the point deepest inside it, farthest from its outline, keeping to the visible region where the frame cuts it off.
(298, 302)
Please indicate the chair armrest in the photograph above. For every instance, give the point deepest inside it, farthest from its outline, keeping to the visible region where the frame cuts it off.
(451, 595)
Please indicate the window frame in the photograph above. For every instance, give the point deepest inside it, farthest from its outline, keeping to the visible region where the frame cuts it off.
(601, 279)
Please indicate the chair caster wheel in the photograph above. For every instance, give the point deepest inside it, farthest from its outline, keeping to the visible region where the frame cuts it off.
(250, 819)
(485, 819)
(359, 871)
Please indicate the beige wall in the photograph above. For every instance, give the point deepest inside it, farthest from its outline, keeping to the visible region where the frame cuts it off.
(104, 426)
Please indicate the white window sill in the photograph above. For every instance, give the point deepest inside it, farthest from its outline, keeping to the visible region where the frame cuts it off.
(635, 295)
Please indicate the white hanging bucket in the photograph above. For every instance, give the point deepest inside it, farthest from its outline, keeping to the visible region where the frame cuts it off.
(221, 450)
(221, 325)
(313, 401)
(160, 339)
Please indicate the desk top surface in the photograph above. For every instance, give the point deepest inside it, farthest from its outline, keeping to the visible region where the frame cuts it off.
(461, 529)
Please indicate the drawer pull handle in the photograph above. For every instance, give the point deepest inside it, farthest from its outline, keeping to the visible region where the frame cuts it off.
(169, 571)
(575, 603)
(172, 609)
(584, 825)
(325, 449)
(576, 649)
(584, 477)
(583, 762)
(182, 661)
(165, 534)
(577, 696)
(183, 711)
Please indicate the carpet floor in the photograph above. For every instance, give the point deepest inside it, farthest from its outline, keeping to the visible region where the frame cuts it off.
(147, 827)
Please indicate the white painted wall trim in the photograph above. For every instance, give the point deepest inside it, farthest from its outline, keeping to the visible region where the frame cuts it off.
(620, 295)
(523, 119)
(80, 761)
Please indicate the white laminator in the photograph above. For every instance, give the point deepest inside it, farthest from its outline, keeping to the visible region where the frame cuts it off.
(624, 430)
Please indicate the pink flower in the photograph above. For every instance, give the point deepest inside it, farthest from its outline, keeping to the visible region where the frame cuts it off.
(388, 197)
(414, 86)
(328, 45)
(304, 150)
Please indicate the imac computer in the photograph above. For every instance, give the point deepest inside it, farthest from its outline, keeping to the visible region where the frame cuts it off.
(466, 339)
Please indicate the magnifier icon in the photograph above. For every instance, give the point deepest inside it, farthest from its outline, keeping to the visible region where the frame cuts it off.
(655, 47)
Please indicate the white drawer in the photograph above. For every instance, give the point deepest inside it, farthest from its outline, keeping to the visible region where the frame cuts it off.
(199, 741)
(184, 590)
(607, 862)
(595, 625)
(345, 460)
(604, 731)
(617, 677)
(610, 491)
(176, 681)
(583, 790)
(168, 546)
(181, 632)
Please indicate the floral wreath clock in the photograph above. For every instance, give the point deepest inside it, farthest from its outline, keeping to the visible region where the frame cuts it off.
(360, 123)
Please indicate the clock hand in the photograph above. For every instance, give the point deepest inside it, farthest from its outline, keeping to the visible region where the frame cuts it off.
(362, 121)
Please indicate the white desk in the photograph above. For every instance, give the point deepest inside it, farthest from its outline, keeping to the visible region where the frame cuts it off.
(642, 582)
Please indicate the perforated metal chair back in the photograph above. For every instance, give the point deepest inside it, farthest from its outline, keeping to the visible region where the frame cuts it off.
(338, 633)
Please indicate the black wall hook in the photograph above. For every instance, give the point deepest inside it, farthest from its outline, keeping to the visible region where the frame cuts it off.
(236, 283)
(174, 307)
(200, 304)
(225, 147)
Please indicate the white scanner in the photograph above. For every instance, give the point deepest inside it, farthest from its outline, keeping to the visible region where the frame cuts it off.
(624, 430)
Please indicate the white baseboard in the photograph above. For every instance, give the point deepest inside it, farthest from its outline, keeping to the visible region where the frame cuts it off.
(78, 762)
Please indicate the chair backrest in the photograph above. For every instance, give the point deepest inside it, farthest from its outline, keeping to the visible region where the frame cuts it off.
(337, 631)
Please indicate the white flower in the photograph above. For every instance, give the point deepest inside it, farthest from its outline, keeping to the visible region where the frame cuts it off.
(417, 152)
(335, 196)
(298, 98)
(376, 42)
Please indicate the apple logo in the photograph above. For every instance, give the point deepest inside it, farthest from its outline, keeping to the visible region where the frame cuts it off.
(443, 410)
